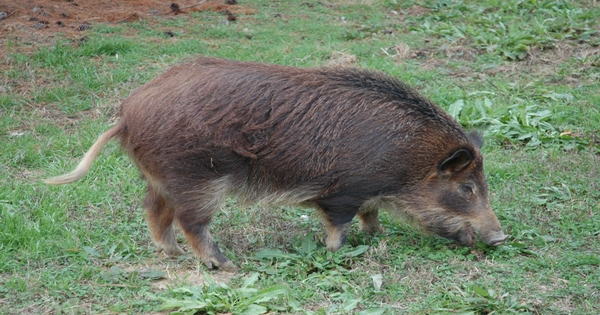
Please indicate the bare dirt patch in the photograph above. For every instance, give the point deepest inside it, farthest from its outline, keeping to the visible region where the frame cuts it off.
(187, 271)
(548, 63)
(455, 60)
(416, 10)
(431, 59)
(37, 19)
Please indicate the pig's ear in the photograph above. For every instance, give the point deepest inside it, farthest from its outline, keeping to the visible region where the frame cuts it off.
(456, 162)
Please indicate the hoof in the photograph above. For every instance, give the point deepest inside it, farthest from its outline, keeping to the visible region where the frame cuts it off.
(226, 265)
(173, 251)
(229, 267)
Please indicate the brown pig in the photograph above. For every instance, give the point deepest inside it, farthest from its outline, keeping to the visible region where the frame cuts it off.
(347, 142)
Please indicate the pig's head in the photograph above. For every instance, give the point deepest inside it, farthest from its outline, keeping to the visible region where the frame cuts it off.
(453, 202)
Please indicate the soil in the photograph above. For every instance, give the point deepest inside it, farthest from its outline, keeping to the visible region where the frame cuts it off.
(33, 19)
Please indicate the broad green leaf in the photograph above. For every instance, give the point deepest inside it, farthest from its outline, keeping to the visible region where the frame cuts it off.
(268, 294)
(372, 311)
(274, 253)
(250, 280)
(247, 292)
(209, 279)
(377, 281)
(358, 250)
(466, 313)
(559, 96)
(455, 108)
(184, 290)
(295, 305)
(481, 291)
(317, 265)
(252, 309)
(182, 304)
(308, 244)
(349, 305)
(90, 251)
(151, 274)
(517, 244)
(476, 300)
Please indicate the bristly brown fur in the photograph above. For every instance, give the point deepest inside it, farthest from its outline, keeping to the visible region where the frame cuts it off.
(341, 140)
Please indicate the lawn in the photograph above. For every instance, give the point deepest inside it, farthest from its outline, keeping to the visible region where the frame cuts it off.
(525, 71)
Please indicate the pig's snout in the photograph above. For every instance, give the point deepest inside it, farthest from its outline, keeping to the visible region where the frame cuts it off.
(489, 229)
(496, 239)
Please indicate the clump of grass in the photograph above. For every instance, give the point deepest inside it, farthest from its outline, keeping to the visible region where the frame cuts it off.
(216, 298)
(480, 300)
(510, 29)
(109, 46)
(519, 123)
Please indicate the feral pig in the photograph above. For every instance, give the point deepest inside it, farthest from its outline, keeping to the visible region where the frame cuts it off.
(347, 142)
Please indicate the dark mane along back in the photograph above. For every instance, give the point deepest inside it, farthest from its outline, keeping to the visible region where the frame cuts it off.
(381, 85)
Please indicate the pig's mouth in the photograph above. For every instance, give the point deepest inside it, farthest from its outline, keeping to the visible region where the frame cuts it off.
(465, 235)
(467, 238)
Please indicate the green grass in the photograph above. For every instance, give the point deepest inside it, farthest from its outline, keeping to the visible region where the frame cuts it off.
(527, 71)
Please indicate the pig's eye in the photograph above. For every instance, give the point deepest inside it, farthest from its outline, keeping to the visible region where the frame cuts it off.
(468, 189)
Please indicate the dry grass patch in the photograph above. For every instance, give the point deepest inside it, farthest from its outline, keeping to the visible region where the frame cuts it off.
(185, 271)
(341, 59)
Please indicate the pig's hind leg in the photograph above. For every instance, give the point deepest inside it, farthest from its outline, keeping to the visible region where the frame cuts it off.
(161, 213)
(369, 220)
(195, 209)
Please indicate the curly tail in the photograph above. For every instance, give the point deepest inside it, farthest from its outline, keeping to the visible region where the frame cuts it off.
(84, 166)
